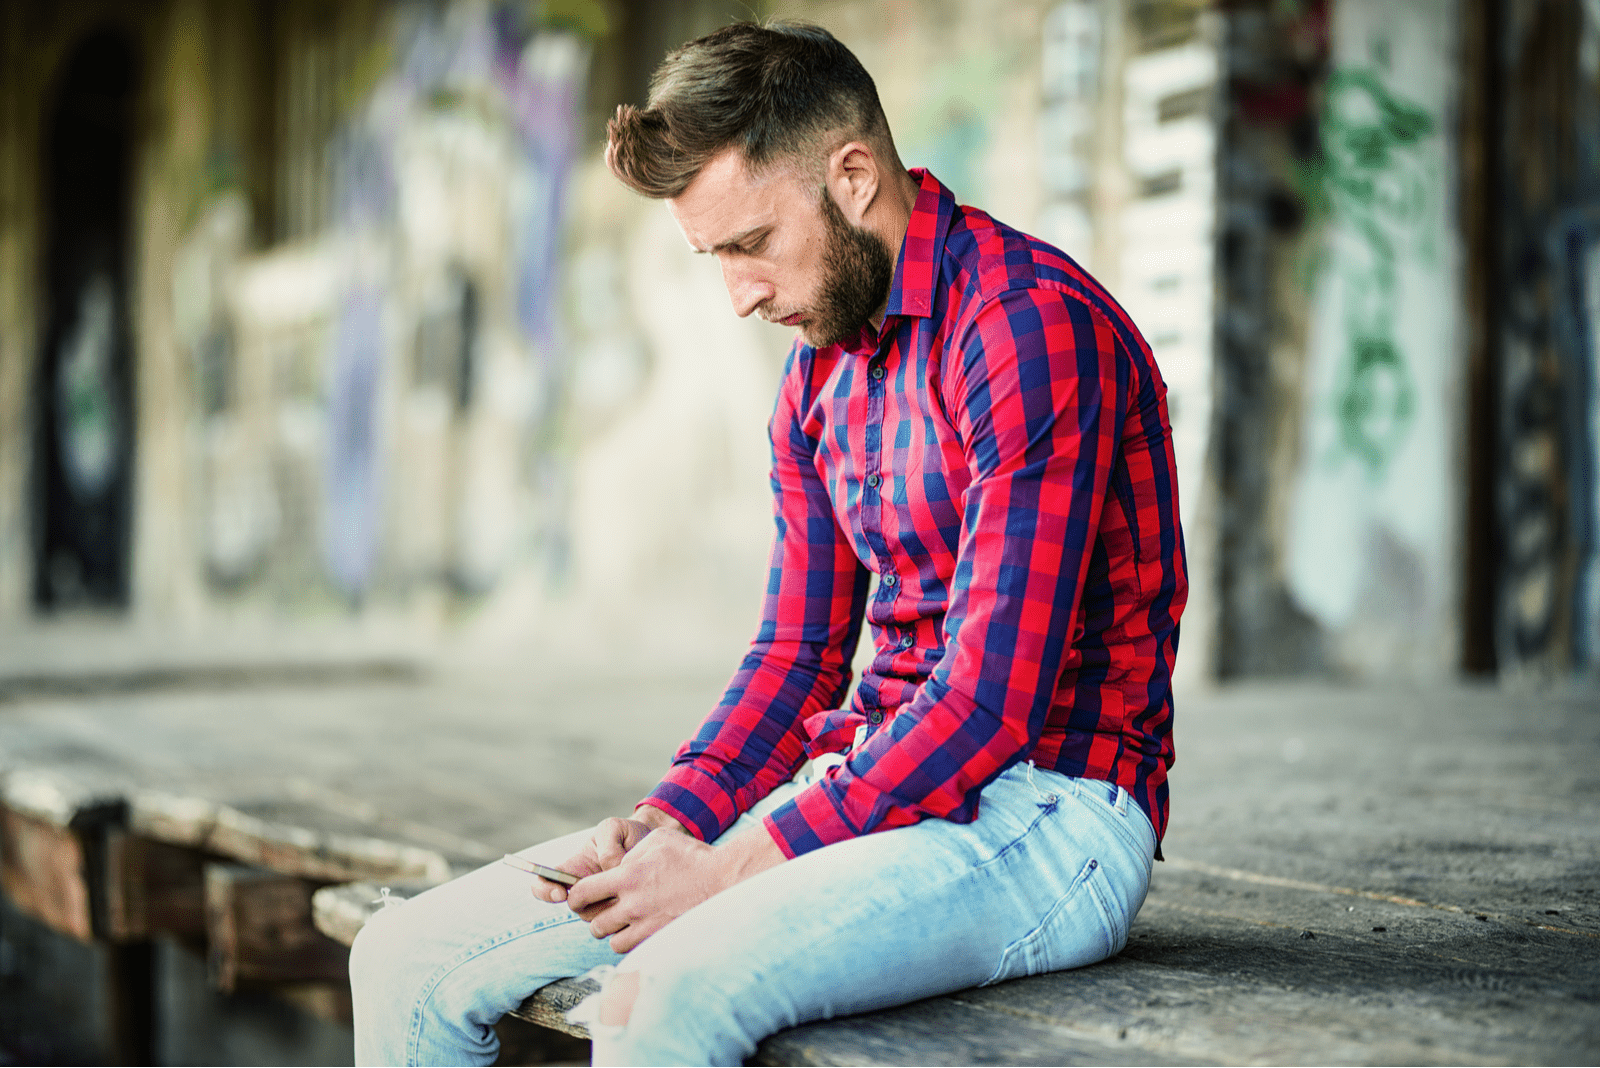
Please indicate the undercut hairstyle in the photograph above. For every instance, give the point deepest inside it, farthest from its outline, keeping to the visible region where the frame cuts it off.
(772, 90)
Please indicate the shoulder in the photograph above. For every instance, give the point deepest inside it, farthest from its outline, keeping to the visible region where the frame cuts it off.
(989, 265)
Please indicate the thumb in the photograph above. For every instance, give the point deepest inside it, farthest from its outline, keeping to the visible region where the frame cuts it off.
(610, 843)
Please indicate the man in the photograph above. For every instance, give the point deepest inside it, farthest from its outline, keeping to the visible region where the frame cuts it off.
(967, 415)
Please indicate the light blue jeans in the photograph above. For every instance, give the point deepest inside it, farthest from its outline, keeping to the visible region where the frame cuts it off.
(1048, 877)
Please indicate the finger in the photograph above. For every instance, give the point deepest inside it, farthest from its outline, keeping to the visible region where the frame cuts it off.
(593, 889)
(543, 888)
(589, 913)
(609, 917)
(580, 864)
(608, 922)
(630, 936)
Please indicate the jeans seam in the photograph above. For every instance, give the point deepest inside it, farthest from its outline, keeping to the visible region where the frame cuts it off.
(1120, 820)
(414, 1032)
(1046, 813)
(1107, 926)
(1080, 882)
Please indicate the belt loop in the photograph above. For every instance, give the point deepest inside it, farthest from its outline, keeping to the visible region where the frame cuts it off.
(1047, 798)
(1119, 799)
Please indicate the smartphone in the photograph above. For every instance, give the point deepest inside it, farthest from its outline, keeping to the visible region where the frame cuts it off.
(554, 875)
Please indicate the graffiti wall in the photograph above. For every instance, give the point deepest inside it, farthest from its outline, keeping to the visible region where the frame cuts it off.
(1373, 545)
(1545, 487)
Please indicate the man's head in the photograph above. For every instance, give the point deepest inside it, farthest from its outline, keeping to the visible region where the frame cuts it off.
(772, 151)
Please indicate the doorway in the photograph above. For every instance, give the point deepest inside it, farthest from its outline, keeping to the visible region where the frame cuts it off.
(83, 392)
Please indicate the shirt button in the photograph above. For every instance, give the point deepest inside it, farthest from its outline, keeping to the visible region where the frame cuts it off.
(877, 372)
(875, 716)
(873, 480)
(890, 580)
(907, 642)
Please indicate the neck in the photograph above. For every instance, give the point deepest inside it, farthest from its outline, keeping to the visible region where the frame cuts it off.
(898, 199)
(899, 203)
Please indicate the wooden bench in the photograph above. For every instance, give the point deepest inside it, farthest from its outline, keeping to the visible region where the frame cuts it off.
(1261, 941)
(257, 893)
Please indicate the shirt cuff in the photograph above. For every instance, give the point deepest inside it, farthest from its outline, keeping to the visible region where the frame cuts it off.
(696, 800)
(807, 821)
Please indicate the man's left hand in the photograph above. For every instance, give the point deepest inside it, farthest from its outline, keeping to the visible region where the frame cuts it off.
(661, 878)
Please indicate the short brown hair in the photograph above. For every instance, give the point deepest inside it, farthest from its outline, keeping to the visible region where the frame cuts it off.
(769, 89)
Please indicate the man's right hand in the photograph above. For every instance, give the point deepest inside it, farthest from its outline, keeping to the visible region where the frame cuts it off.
(610, 842)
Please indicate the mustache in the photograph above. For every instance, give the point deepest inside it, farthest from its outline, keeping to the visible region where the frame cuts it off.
(773, 315)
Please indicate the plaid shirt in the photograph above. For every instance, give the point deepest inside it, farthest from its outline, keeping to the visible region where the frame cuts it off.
(999, 456)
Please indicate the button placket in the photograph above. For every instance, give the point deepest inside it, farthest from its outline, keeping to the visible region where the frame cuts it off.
(872, 496)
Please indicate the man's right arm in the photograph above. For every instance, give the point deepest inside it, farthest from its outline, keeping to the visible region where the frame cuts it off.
(799, 662)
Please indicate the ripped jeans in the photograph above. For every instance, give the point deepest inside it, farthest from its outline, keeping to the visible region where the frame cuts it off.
(1048, 877)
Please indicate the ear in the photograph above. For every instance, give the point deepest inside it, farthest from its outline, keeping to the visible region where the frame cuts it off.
(853, 180)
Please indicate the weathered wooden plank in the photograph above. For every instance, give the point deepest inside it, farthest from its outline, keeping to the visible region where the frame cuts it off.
(76, 682)
(341, 910)
(43, 871)
(152, 888)
(306, 840)
(258, 927)
(548, 1006)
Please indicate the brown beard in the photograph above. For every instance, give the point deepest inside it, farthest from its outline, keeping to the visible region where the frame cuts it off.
(857, 271)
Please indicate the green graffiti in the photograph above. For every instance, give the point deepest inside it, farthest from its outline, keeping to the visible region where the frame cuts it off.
(1375, 402)
(1373, 185)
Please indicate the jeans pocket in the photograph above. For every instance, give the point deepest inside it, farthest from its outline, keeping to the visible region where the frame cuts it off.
(1122, 814)
(1082, 927)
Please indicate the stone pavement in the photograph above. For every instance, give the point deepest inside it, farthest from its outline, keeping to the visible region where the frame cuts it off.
(1395, 876)
(1354, 875)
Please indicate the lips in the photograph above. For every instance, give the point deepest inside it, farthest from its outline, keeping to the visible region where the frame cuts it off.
(792, 319)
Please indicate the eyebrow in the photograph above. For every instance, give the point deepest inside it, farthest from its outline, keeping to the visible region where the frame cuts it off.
(733, 243)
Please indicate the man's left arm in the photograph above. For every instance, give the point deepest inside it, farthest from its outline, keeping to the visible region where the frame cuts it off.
(1037, 386)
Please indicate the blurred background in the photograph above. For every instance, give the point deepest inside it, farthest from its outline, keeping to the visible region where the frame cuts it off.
(383, 486)
(327, 318)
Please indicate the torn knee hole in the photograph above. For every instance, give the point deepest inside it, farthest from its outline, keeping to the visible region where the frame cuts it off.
(616, 1000)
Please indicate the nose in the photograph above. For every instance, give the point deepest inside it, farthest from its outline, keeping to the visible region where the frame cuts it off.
(746, 288)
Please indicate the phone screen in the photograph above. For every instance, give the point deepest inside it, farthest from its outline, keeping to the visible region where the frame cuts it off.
(543, 871)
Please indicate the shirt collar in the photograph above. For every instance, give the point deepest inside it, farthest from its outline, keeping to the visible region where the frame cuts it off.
(911, 291)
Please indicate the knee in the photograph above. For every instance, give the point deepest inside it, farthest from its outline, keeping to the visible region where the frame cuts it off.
(673, 1016)
(616, 1002)
(382, 958)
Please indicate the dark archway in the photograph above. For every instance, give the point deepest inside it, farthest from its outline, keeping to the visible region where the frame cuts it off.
(83, 393)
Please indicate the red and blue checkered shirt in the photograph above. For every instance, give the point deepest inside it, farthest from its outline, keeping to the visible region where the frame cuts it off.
(999, 456)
